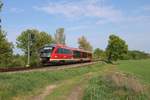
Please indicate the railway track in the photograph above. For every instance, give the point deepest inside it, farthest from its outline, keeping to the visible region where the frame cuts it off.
(59, 67)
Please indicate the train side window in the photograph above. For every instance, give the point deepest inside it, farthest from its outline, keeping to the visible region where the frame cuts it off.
(70, 52)
(63, 51)
(85, 55)
(67, 51)
(76, 54)
(59, 51)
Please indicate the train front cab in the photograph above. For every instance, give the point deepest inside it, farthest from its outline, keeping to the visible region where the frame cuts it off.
(46, 54)
(56, 55)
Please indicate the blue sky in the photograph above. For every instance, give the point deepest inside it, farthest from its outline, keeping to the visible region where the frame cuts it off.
(95, 19)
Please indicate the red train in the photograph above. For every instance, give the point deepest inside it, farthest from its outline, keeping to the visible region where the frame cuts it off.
(58, 54)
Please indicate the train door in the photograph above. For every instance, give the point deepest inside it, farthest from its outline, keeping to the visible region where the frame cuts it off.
(59, 54)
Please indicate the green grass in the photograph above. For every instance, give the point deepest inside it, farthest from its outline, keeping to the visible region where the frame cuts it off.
(140, 68)
(100, 89)
(20, 85)
(64, 88)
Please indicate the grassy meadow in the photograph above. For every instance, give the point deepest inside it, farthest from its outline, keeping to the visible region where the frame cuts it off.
(22, 85)
(127, 80)
(140, 68)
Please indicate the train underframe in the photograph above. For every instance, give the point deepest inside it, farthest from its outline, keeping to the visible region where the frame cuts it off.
(48, 61)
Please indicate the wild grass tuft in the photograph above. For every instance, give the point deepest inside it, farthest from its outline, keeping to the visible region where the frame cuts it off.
(115, 86)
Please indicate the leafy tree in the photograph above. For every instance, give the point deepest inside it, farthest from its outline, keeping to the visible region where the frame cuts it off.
(6, 50)
(60, 36)
(40, 39)
(44, 38)
(135, 54)
(84, 44)
(116, 48)
(18, 60)
(99, 54)
(1, 4)
(37, 40)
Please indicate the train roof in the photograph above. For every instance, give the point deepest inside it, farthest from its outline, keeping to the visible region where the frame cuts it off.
(64, 46)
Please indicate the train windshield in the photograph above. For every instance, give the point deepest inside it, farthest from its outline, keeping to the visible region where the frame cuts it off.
(46, 51)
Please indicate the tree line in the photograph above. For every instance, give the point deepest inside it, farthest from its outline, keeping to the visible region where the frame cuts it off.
(117, 48)
(37, 39)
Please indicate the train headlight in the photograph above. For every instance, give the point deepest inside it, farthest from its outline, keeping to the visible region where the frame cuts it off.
(40, 59)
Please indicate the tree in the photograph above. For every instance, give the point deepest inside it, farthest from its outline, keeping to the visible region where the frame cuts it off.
(99, 54)
(43, 38)
(1, 4)
(135, 54)
(37, 40)
(84, 44)
(116, 48)
(6, 50)
(60, 36)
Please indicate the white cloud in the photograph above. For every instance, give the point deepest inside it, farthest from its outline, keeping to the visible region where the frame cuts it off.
(16, 10)
(89, 8)
(97, 9)
(146, 8)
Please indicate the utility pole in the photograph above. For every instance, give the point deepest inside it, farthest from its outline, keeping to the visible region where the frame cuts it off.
(0, 26)
(28, 60)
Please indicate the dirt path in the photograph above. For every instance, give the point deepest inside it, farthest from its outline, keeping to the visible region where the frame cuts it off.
(76, 94)
(46, 92)
(78, 90)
